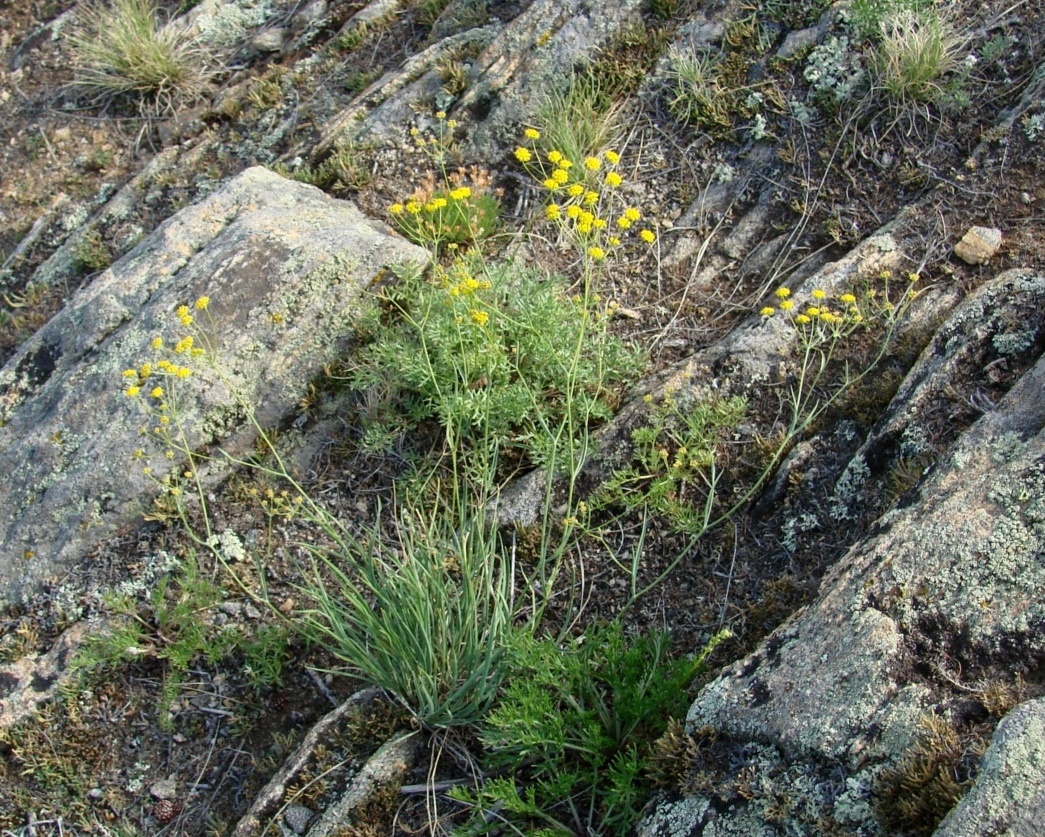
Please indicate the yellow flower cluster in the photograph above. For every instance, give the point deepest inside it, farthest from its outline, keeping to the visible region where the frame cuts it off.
(818, 320)
(585, 201)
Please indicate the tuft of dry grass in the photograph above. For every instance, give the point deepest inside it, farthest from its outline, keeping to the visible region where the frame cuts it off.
(915, 54)
(121, 50)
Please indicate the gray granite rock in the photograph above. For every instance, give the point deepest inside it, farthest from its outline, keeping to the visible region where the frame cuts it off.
(284, 266)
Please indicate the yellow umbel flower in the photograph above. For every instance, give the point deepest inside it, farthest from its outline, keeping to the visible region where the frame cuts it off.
(396, 209)
(613, 179)
(531, 133)
(202, 303)
(157, 392)
(130, 392)
(632, 214)
(768, 311)
(592, 163)
(560, 176)
(648, 236)
(553, 212)
(555, 157)
(783, 293)
(480, 318)
(575, 190)
(612, 157)
(819, 294)
(597, 253)
(523, 155)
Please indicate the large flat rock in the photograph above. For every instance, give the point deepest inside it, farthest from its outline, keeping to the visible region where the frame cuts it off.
(284, 266)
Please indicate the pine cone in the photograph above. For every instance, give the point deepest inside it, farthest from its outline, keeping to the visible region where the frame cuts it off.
(166, 810)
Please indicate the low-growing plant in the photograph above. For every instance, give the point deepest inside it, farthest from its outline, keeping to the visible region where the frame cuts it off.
(865, 18)
(173, 625)
(463, 210)
(121, 50)
(499, 355)
(572, 730)
(579, 120)
(915, 55)
(676, 458)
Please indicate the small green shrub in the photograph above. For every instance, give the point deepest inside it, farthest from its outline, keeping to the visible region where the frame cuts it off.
(499, 355)
(574, 725)
(122, 51)
(864, 18)
(674, 474)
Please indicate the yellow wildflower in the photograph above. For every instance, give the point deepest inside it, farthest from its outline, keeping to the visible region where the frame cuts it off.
(847, 299)
(560, 176)
(575, 190)
(396, 209)
(460, 193)
(802, 319)
(183, 345)
(572, 211)
(592, 163)
(599, 223)
(183, 372)
(157, 342)
(555, 157)
(786, 304)
(531, 133)
(819, 294)
(613, 241)
(440, 114)
(202, 303)
(648, 236)
(632, 214)
(413, 207)
(813, 311)
(612, 157)
(553, 212)
(613, 179)
(130, 392)
(479, 317)
(590, 198)
(183, 311)
(768, 311)
(130, 373)
(597, 253)
(157, 392)
(623, 222)
(550, 184)
(523, 155)
(783, 293)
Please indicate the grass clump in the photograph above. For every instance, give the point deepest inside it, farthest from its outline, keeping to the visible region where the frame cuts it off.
(915, 55)
(579, 120)
(122, 51)
(423, 612)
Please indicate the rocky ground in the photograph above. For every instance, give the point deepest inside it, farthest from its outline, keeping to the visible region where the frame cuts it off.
(757, 200)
